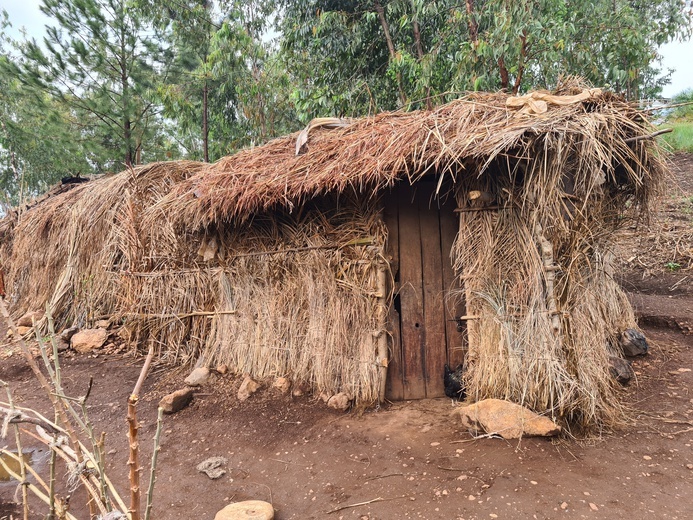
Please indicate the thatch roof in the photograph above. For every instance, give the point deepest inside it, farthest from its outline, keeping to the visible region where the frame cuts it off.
(460, 138)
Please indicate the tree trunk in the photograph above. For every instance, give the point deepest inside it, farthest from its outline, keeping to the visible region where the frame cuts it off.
(472, 26)
(205, 123)
(125, 101)
(505, 80)
(390, 45)
(419, 49)
(521, 65)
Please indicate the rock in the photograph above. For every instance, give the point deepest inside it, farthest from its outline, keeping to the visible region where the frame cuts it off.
(61, 344)
(89, 339)
(633, 343)
(212, 467)
(198, 377)
(23, 331)
(509, 420)
(176, 401)
(248, 387)
(300, 390)
(102, 324)
(283, 384)
(339, 402)
(248, 510)
(66, 335)
(28, 319)
(620, 369)
(222, 369)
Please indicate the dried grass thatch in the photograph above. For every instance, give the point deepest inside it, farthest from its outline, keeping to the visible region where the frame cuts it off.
(268, 261)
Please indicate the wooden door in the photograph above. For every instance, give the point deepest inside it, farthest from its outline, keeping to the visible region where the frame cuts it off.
(421, 229)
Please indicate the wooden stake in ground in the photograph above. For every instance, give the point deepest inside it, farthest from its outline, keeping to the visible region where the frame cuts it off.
(134, 461)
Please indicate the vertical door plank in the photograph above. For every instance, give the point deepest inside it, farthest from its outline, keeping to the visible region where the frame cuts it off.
(434, 313)
(411, 295)
(453, 296)
(394, 388)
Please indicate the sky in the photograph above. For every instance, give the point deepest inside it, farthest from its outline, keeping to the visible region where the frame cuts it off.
(677, 55)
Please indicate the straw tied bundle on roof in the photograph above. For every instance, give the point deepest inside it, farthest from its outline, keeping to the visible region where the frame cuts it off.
(367, 255)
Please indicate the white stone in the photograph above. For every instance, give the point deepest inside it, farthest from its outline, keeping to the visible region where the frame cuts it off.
(198, 377)
(248, 510)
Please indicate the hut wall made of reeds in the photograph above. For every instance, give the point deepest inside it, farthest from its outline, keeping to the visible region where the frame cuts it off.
(273, 261)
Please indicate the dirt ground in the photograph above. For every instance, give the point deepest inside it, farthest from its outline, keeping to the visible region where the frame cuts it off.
(410, 460)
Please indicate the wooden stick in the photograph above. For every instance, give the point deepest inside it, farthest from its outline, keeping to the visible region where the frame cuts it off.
(36, 491)
(379, 499)
(152, 469)
(134, 461)
(546, 251)
(481, 208)
(382, 332)
(57, 405)
(356, 242)
(649, 136)
(176, 316)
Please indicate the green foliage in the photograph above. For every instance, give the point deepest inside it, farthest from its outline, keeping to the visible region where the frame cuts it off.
(685, 111)
(101, 59)
(130, 81)
(673, 266)
(39, 142)
(356, 56)
(681, 139)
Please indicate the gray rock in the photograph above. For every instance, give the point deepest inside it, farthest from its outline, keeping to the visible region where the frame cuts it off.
(339, 402)
(66, 335)
(248, 510)
(633, 343)
(89, 339)
(198, 377)
(620, 369)
(248, 387)
(509, 420)
(176, 401)
(212, 467)
(62, 344)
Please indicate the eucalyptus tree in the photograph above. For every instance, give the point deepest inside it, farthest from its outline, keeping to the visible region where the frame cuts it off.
(226, 90)
(354, 56)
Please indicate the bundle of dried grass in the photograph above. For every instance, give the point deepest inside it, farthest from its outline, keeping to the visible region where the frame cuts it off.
(65, 248)
(292, 295)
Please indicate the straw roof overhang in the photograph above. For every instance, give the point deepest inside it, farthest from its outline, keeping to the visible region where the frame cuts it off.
(460, 138)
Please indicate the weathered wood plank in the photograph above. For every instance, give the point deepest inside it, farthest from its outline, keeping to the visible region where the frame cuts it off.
(453, 297)
(395, 387)
(411, 296)
(434, 312)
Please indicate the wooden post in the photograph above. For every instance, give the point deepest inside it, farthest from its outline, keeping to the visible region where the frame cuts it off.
(381, 334)
(546, 250)
(133, 460)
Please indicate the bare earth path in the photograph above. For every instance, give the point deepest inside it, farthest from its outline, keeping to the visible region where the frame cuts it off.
(409, 460)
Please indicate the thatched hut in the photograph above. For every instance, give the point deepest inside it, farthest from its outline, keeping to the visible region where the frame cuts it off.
(364, 257)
